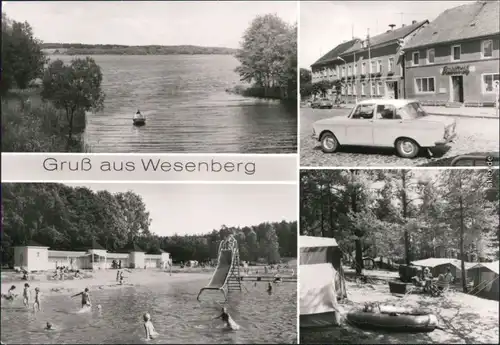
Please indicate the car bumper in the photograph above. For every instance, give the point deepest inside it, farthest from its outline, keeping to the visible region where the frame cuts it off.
(446, 141)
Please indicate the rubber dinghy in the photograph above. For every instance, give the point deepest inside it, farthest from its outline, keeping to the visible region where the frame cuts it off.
(140, 121)
(396, 319)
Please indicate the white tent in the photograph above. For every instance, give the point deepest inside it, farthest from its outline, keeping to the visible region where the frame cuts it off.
(318, 295)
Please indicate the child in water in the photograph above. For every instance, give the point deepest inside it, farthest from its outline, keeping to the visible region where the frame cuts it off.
(26, 294)
(49, 327)
(269, 287)
(10, 294)
(148, 327)
(36, 304)
(122, 278)
(85, 298)
(226, 318)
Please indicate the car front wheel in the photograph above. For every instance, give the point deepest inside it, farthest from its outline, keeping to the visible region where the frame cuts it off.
(407, 148)
(329, 143)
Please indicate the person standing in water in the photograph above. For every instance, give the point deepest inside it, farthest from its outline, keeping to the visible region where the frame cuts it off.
(149, 327)
(36, 304)
(26, 294)
(85, 298)
(226, 318)
(269, 287)
(117, 276)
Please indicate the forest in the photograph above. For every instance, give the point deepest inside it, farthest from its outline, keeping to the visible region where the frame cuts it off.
(113, 49)
(72, 218)
(404, 215)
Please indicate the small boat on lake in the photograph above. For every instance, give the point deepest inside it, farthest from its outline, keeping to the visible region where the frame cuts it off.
(139, 119)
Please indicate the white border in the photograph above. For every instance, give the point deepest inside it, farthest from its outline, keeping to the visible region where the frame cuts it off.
(297, 329)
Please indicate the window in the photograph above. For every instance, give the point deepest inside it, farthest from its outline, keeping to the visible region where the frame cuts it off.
(487, 48)
(489, 82)
(415, 58)
(386, 112)
(354, 92)
(430, 56)
(349, 70)
(423, 85)
(455, 53)
(391, 65)
(355, 69)
(374, 89)
(349, 89)
(363, 68)
(337, 68)
(363, 111)
(363, 89)
(373, 67)
(379, 66)
(343, 71)
(380, 89)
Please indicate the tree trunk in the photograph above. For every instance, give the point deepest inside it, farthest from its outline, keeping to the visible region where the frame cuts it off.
(462, 263)
(405, 214)
(322, 213)
(357, 241)
(70, 130)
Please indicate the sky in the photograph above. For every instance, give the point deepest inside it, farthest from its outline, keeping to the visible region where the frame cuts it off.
(324, 25)
(203, 23)
(188, 209)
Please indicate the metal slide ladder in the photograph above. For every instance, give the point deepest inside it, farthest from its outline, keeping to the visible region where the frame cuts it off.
(233, 279)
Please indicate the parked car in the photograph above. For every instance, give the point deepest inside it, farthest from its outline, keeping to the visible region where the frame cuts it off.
(398, 123)
(323, 103)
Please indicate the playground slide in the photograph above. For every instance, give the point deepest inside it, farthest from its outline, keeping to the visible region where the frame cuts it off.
(222, 271)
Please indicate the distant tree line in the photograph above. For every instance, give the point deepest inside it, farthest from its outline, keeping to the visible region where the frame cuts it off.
(268, 58)
(71, 218)
(113, 49)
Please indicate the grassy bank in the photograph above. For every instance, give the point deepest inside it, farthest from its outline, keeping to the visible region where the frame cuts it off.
(31, 125)
(260, 92)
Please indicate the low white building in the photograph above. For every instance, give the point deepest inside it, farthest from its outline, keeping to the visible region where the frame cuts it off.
(36, 257)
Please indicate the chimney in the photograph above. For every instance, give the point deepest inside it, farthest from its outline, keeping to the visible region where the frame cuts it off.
(413, 22)
(392, 26)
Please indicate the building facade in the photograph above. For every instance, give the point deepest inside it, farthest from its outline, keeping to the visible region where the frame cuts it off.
(369, 68)
(455, 59)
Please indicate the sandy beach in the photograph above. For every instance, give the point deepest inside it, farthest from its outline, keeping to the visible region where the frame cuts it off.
(99, 279)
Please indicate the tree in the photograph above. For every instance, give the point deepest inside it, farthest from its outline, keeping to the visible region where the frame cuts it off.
(22, 56)
(305, 82)
(74, 88)
(268, 54)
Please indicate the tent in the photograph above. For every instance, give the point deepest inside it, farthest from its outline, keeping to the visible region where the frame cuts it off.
(440, 266)
(321, 281)
(485, 278)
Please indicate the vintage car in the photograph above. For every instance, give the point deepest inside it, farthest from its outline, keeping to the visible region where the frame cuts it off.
(323, 103)
(398, 123)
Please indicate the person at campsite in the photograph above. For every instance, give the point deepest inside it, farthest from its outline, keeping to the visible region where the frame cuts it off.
(427, 277)
(149, 327)
(85, 298)
(36, 303)
(10, 294)
(26, 294)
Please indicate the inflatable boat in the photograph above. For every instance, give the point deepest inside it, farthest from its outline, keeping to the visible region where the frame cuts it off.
(396, 319)
(140, 121)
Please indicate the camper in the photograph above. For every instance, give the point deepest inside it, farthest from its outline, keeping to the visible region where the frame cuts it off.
(321, 282)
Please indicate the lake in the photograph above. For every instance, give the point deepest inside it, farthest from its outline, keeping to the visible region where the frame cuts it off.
(175, 312)
(187, 108)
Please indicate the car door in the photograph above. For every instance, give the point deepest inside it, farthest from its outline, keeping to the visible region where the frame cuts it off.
(359, 128)
(386, 126)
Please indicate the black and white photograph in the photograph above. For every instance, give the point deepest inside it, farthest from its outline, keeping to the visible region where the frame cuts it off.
(408, 83)
(149, 76)
(399, 256)
(112, 263)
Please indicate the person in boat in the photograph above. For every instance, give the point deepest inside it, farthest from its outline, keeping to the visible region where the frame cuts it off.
(138, 115)
(85, 298)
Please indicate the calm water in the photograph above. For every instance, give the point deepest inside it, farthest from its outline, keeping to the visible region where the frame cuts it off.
(187, 108)
(176, 314)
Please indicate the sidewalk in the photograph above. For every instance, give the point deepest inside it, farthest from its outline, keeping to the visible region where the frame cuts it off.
(480, 112)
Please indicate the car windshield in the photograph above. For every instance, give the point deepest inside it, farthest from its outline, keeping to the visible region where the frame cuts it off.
(411, 111)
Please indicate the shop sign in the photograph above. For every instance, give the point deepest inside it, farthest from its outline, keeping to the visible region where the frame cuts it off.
(458, 69)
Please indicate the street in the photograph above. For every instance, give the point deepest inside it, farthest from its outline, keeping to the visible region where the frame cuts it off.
(475, 136)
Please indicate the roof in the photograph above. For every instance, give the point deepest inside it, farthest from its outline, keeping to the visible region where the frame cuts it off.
(387, 37)
(335, 52)
(32, 243)
(434, 262)
(314, 241)
(477, 19)
(492, 266)
(65, 254)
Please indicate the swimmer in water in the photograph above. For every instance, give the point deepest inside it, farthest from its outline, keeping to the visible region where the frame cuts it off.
(149, 327)
(26, 294)
(10, 294)
(85, 298)
(269, 287)
(36, 304)
(225, 317)
(49, 327)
